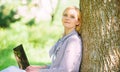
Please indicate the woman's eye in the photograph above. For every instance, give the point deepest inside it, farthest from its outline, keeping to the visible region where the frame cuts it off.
(72, 16)
(65, 15)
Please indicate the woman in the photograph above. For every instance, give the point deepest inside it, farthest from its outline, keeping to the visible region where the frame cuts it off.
(66, 54)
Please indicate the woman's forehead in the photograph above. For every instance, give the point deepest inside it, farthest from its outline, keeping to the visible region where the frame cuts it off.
(70, 11)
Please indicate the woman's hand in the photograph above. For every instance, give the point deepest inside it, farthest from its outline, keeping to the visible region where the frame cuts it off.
(34, 68)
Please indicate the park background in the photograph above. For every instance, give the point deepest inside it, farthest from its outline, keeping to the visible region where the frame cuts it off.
(34, 23)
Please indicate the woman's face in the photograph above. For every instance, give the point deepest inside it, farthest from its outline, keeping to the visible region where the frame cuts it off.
(70, 18)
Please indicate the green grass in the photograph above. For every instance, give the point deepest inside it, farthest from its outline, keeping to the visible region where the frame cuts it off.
(36, 40)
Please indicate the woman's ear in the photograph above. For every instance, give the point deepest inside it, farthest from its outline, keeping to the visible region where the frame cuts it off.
(78, 23)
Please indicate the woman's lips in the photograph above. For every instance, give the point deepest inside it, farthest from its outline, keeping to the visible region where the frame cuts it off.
(66, 22)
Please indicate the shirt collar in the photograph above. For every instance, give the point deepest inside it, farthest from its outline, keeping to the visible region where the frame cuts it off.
(68, 35)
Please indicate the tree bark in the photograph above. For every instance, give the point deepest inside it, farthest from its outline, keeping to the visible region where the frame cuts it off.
(100, 32)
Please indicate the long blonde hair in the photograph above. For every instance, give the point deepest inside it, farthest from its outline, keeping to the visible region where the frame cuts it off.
(79, 16)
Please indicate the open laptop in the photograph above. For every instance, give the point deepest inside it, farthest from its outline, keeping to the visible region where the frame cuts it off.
(21, 57)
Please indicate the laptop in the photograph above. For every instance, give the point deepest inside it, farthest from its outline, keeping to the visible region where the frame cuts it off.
(21, 57)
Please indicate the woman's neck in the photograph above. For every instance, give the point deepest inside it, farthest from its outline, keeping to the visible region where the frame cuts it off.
(67, 31)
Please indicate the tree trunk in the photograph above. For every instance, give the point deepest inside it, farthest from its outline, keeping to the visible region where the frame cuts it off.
(100, 32)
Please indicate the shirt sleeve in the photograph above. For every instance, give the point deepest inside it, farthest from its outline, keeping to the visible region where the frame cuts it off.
(71, 58)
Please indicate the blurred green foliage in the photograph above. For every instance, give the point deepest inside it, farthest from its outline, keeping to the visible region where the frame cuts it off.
(37, 37)
(7, 15)
(36, 41)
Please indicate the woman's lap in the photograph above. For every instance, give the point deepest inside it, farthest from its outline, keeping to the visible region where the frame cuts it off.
(12, 69)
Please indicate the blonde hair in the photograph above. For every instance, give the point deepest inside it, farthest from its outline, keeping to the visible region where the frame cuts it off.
(79, 16)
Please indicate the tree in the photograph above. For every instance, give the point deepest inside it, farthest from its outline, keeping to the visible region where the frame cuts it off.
(100, 32)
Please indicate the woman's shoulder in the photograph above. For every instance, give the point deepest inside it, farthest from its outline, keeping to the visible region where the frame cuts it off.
(74, 37)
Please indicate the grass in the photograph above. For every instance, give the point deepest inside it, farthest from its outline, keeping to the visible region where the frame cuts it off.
(36, 40)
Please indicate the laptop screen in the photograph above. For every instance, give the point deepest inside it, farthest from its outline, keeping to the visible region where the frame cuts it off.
(21, 57)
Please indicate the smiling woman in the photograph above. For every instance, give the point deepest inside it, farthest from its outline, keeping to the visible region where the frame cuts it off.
(71, 18)
(66, 54)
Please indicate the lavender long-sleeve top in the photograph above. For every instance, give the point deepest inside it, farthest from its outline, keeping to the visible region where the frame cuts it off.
(66, 54)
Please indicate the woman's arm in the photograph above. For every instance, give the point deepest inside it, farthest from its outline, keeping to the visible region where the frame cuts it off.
(35, 68)
(71, 59)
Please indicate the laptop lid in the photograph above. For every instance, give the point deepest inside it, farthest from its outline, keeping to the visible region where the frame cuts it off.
(21, 57)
